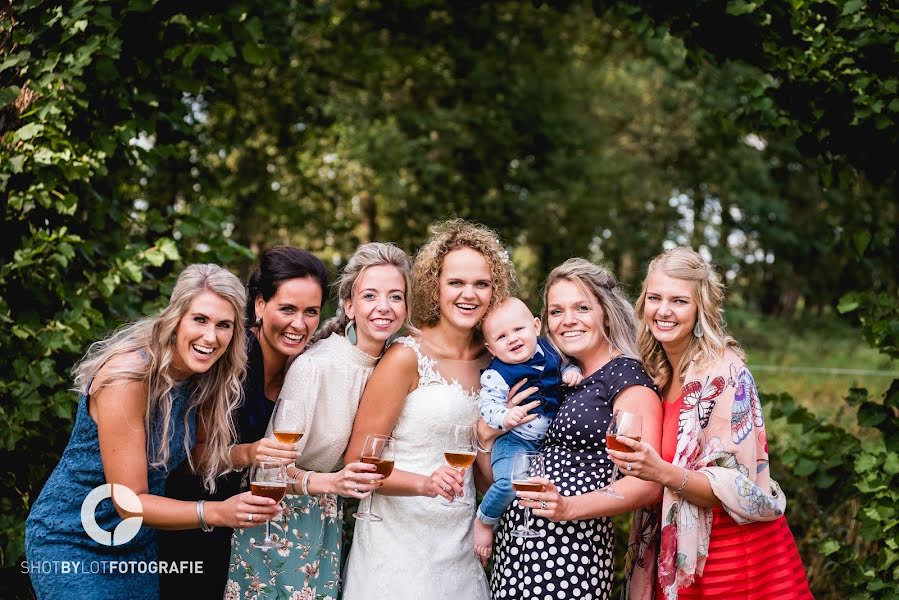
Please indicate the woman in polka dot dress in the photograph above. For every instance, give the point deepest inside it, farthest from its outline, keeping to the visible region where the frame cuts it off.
(593, 324)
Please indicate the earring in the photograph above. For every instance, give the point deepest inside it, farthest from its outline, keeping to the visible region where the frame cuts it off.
(258, 322)
(350, 332)
(647, 328)
(697, 330)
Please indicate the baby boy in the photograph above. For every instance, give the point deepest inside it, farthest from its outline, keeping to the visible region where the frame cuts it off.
(511, 335)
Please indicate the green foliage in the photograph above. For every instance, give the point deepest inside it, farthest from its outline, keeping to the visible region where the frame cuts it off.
(138, 136)
(92, 237)
(843, 492)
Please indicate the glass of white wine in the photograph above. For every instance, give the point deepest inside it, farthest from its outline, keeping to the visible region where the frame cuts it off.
(524, 466)
(377, 450)
(624, 424)
(460, 452)
(268, 479)
(287, 420)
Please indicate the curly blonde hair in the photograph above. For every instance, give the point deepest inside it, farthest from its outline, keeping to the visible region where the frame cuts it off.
(445, 237)
(708, 294)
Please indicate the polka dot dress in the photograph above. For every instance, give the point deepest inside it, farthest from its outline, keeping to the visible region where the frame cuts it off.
(574, 558)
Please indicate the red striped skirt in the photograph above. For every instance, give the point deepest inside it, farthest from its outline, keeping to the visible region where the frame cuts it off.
(755, 561)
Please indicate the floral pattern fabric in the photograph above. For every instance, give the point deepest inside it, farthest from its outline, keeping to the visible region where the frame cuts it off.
(310, 532)
(721, 434)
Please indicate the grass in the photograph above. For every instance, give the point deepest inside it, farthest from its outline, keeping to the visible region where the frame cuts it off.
(791, 355)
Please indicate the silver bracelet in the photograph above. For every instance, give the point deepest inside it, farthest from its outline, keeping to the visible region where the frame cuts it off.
(683, 486)
(305, 484)
(201, 516)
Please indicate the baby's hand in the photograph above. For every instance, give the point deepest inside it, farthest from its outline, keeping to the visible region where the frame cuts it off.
(514, 417)
(572, 377)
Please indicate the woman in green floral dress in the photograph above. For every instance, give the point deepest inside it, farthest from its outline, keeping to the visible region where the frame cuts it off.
(325, 385)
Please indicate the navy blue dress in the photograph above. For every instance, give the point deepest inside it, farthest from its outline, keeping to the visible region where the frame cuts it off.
(573, 559)
(56, 543)
(214, 548)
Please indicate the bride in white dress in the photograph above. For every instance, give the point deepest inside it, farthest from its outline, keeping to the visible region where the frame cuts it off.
(423, 549)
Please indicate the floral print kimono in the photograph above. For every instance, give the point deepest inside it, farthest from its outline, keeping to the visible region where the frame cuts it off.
(720, 434)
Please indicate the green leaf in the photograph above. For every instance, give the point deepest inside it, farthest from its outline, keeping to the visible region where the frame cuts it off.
(891, 464)
(861, 241)
(804, 467)
(848, 303)
(26, 132)
(252, 53)
(853, 6)
(155, 257)
(9, 94)
(16, 163)
(168, 248)
(829, 547)
(864, 463)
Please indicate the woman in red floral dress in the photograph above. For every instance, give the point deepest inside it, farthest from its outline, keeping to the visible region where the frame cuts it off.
(723, 530)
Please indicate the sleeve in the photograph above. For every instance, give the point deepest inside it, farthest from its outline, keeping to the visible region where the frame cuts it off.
(301, 389)
(735, 452)
(493, 397)
(625, 374)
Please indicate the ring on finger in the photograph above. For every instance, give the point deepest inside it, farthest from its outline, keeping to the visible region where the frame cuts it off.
(445, 487)
(356, 486)
(250, 517)
(629, 466)
(543, 505)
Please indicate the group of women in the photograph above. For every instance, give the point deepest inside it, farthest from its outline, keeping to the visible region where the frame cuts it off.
(175, 408)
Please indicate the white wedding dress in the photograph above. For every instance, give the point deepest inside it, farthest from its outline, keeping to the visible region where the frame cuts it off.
(423, 549)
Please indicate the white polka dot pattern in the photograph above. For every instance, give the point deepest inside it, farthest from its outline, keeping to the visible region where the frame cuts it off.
(574, 558)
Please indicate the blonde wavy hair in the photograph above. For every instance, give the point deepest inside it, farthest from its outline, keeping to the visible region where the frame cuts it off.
(366, 255)
(602, 285)
(446, 237)
(708, 294)
(145, 351)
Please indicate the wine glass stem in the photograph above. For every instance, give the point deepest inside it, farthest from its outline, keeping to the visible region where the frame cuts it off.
(268, 533)
(527, 518)
(614, 476)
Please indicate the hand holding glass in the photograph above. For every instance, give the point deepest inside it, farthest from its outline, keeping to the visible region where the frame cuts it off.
(625, 424)
(378, 450)
(524, 466)
(268, 479)
(461, 450)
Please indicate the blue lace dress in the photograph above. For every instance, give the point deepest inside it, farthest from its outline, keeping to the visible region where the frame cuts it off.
(63, 560)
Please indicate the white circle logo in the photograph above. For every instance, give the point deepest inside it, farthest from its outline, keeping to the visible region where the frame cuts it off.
(123, 497)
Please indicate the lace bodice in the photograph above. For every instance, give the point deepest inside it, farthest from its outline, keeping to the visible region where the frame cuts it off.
(422, 549)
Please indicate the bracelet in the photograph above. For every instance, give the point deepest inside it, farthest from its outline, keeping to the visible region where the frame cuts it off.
(683, 486)
(305, 484)
(201, 515)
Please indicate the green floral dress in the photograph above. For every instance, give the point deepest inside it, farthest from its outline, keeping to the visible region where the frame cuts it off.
(310, 532)
(326, 384)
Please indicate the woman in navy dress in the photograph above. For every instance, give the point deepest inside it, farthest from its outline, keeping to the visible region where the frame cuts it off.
(285, 292)
(143, 391)
(592, 323)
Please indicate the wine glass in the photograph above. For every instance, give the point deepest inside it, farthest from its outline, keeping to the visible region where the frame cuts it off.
(287, 420)
(378, 450)
(524, 466)
(461, 450)
(268, 479)
(625, 424)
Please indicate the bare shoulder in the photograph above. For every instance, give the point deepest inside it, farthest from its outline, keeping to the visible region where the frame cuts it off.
(399, 356)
